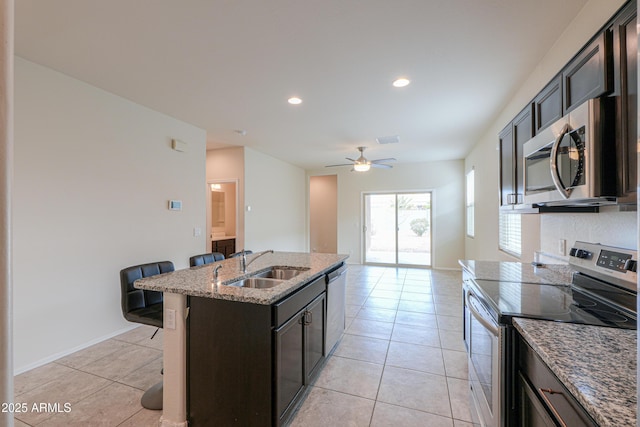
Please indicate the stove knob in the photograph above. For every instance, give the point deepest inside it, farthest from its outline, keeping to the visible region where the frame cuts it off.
(630, 265)
(581, 253)
(573, 251)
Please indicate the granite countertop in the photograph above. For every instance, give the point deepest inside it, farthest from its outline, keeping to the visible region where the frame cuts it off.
(596, 364)
(198, 281)
(552, 274)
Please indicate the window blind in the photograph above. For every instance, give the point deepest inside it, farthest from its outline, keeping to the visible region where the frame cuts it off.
(510, 231)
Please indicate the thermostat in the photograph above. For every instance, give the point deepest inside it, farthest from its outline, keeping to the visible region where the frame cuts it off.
(175, 205)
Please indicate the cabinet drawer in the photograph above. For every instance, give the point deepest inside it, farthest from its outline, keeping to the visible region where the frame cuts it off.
(283, 310)
(554, 396)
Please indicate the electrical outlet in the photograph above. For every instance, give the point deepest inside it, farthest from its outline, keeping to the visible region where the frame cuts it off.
(562, 247)
(197, 231)
(169, 319)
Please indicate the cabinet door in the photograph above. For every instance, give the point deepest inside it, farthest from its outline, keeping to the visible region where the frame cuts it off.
(532, 411)
(522, 132)
(506, 166)
(315, 322)
(290, 373)
(625, 47)
(587, 75)
(548, 104)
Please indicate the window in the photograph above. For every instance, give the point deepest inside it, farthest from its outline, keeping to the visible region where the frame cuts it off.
(510, 234)
(470, 203)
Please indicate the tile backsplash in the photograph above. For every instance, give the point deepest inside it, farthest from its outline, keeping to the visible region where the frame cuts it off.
(609, 228)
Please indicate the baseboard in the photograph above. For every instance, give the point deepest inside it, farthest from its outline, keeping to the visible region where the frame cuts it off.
(447, 268)
(64, 353)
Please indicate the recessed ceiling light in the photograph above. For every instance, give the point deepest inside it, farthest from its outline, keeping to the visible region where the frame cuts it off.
(401, 82)
(294, 100)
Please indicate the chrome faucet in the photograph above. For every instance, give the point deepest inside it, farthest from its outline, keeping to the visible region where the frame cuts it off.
(243, 260)
(215, 271)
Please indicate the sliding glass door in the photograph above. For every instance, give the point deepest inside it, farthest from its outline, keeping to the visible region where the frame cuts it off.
(397, 228)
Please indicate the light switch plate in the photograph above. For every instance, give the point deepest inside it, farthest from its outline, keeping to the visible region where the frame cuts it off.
(562, 247)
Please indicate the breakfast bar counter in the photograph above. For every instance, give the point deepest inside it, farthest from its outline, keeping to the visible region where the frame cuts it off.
(199, 281)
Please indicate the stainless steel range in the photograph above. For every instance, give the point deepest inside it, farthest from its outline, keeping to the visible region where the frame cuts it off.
(602, 292)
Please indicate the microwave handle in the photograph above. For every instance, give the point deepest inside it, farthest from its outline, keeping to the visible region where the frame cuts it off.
(555, 175)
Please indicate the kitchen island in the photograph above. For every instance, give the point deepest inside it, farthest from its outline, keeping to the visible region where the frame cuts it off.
(226, 333)
(596, 364)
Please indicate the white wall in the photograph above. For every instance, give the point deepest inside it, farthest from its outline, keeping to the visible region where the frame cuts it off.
(93, 174)
(445, 179)
(484, 156)
(276, 193)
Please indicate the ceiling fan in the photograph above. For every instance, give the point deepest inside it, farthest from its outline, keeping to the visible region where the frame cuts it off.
(361, 164)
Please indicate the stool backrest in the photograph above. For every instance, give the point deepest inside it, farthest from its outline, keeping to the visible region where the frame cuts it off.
(134, 299)
(203, 259)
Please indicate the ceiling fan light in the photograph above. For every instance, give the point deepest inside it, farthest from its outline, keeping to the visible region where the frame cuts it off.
(361, 167)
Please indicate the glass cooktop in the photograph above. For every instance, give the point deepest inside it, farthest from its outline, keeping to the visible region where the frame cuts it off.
(563, 303)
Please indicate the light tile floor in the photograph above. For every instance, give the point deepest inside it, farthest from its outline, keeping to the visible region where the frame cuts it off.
(401, 363)
(402, 360)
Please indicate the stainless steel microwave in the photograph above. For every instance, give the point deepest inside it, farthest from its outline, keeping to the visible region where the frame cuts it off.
(573, 161)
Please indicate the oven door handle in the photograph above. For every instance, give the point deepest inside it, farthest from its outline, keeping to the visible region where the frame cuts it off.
(555, 175)
(484, 322)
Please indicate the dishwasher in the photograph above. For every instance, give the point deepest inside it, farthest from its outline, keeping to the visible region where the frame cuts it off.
(336, 305)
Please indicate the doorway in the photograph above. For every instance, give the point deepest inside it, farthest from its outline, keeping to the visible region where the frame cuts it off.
(323, 214)
(222, 215)
(397, 229)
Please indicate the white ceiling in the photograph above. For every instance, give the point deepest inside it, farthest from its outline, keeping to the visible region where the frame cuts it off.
(225, 65)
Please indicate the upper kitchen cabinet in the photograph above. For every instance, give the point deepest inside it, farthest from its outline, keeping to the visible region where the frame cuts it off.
(605, 67)
(547, 105)
(512, 138)
(625, 51)
(588, 75)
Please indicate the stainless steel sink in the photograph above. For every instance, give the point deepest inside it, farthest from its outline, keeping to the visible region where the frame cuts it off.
(281, 273)
(256, 283)
(269, 278)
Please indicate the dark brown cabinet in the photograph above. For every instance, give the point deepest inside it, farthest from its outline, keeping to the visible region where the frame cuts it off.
(506, 165)
(512, 139)
(247, 364)
(625, 48)
(226, 247)
(605, 67)
(532, 411)
(299, 351)
(588, 75)
(544, 400)
(547, 105)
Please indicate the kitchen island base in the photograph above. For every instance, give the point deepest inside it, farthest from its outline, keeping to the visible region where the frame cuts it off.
(250, 364)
